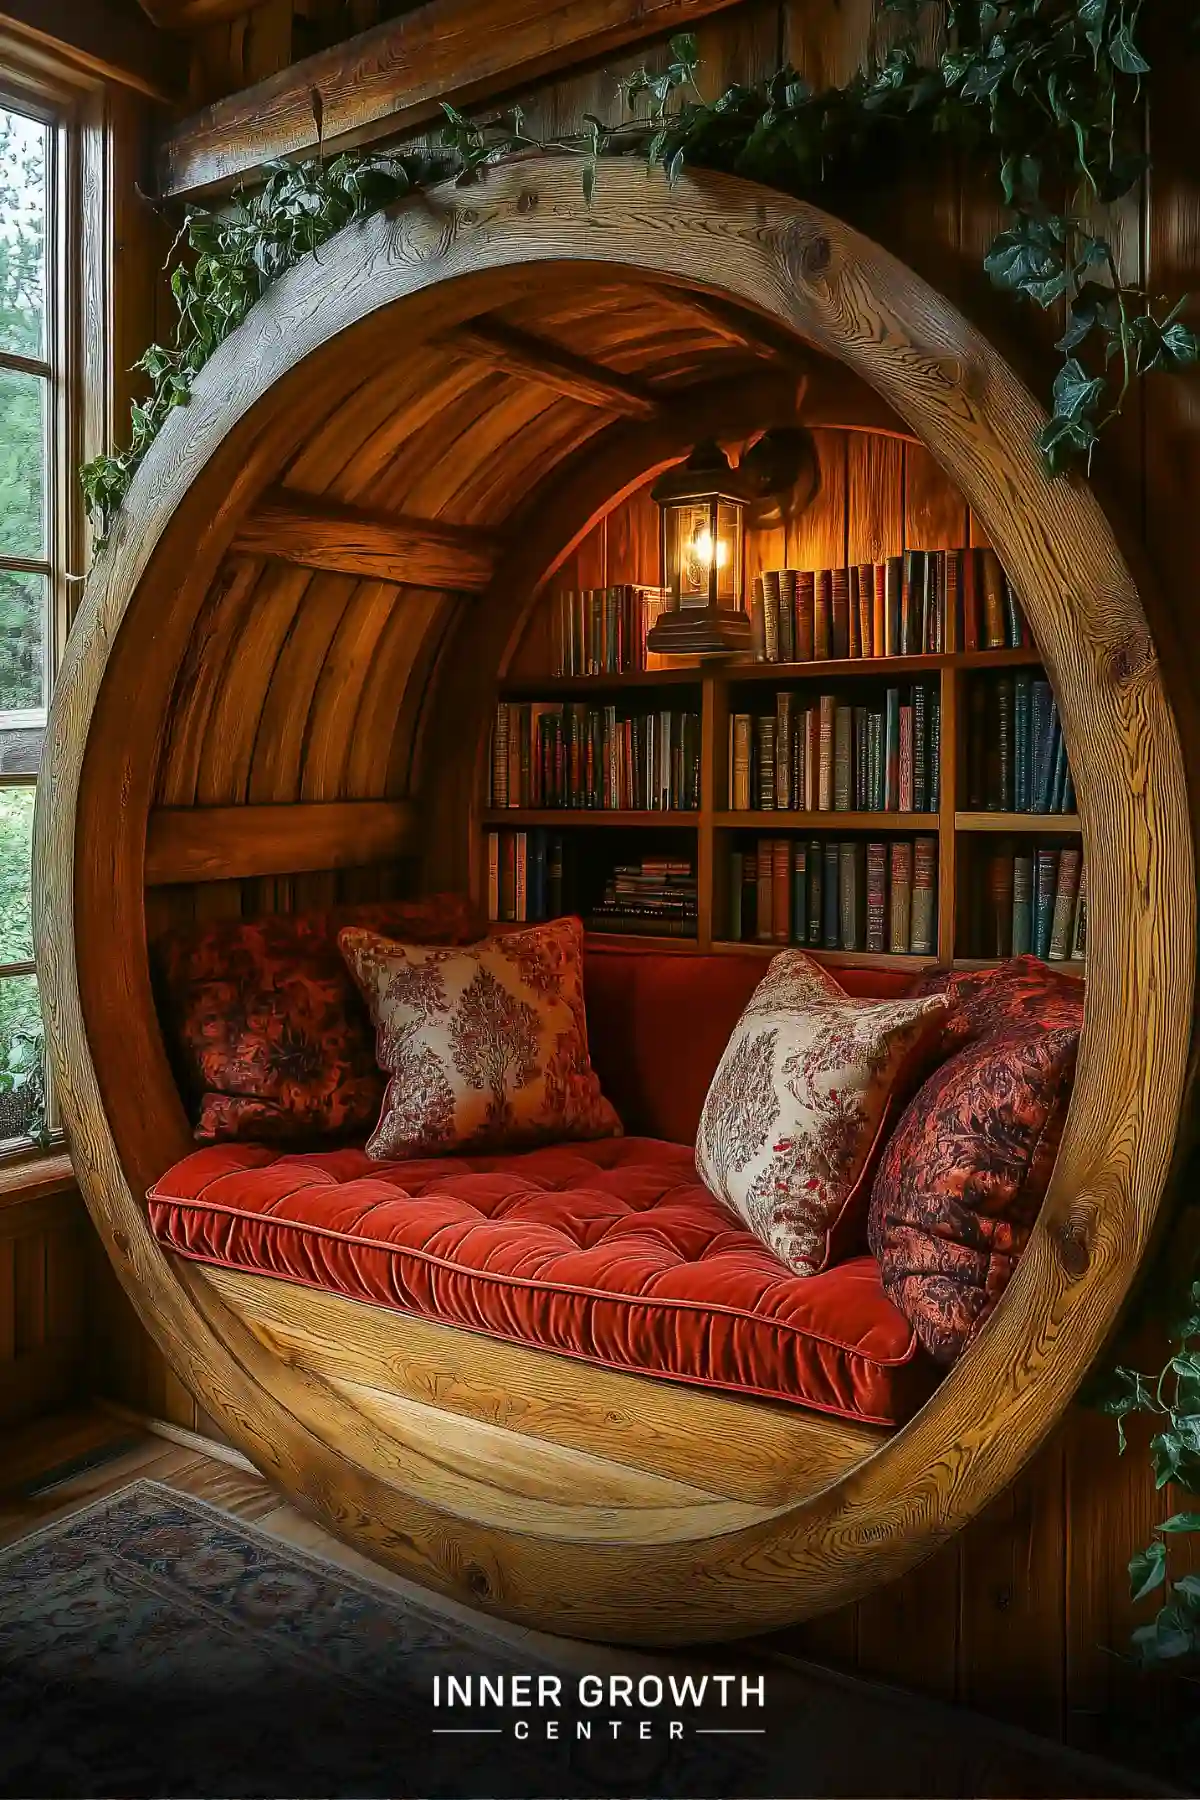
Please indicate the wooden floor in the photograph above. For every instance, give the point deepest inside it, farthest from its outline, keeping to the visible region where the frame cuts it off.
(60, 1465)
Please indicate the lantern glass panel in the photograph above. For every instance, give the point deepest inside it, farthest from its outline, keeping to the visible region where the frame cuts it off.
(688, 550)
(729, 554)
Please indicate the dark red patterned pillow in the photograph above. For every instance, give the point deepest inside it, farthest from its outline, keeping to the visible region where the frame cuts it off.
(269, 1035)
(966, 1170)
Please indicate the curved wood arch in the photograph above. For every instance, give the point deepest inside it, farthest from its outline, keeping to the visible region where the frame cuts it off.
(709, 1571)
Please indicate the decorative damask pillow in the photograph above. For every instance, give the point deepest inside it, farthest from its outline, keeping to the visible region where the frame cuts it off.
(268, 1034)
(484, 1049)
(962, 1179)
(800, 1103)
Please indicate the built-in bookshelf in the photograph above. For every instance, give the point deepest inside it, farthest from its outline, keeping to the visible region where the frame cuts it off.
(920, 811)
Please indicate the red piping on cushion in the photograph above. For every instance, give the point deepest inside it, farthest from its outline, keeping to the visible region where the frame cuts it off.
(526, 1281)
(621, 1368)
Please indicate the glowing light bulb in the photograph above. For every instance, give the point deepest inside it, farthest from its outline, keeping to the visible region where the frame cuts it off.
(702, 547)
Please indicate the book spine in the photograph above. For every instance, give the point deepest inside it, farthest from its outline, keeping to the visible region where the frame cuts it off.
(758, 621)
(912, 583)
(799, 892)
(855, 649)
(1022, 698)
(1058, 798)
(1022, 904)
(500, 757)
(935, 749)
(1066, 890)
(508, 876)
(866, 609)
(906, 759)
(893, 603)
(781, 891)
(924, 896)
(877, 912)
(521, 913)
(815, 899)
(843, 759)
(787, 621)
(1005, 729)
(828, 714)
(770, 587)
(1000, 901)
(736, 933)
(493, 875)
(839, 607)
(765, 866)
(1012, 616)
(952, 595)
(972, 637)
(554, 878)
(920, 750)
(749, 896)
(993, 602)
(1079, 924)
(891, 752)
(805, 583)
(850, 888)
(1048, 760)
(537, 874)
(831, 896)
(900, 911)
(822, 614)
(879, 617)
(1045, 883)
(977, 740)
(743, 727)
(783, 752)
(862, 761)
(765, 730)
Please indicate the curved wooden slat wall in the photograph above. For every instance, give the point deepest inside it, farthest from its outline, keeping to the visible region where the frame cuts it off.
(199, 676)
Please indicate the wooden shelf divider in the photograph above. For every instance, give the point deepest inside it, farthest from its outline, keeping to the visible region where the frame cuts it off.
(1013, 823)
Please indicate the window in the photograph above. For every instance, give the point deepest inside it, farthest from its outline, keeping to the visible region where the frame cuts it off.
(33, 542)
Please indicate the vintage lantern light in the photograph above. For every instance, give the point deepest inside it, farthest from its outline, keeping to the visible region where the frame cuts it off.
(703, 504)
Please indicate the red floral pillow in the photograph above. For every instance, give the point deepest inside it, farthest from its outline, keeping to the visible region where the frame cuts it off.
(966, 1170)
(485, 1048)
(268, 1033)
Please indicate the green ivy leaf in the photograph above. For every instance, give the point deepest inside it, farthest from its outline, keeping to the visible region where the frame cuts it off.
(1166, 1451)
(1124, 54)
(1075, 392)
(1188, 1587)
(1168, 1638)
(1185, 1521)
(1147, 1570)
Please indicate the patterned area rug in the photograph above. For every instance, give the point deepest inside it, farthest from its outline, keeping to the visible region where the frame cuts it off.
(151, 1644)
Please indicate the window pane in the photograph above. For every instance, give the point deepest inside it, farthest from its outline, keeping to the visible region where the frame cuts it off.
(23, 159)
(24, 604)
(22, 1059)
(22, 464)
(16, 849)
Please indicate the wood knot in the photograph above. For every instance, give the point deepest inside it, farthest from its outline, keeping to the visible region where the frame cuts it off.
(122, 1243)
(816, 256)
(1131, 657)
(807, 253)
(526, 200)
(1074, 1237)
(478, 1581)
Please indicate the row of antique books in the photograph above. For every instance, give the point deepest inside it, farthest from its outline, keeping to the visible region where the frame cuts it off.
(655, 896)
(836, 894)
(1034, 901)
(524, 876)
(608, 758)
(837, 757)
(904, 606)
(602, 631)
(1016, 756)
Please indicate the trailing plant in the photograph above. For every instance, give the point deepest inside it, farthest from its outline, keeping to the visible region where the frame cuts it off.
(1172, 1398)
(1047, 90)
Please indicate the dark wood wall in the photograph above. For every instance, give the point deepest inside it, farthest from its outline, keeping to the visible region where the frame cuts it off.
(1024, 1616)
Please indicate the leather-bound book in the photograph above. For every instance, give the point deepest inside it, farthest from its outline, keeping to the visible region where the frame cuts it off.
(862, 761)
(851, 882)
(764, 863)
(783, 752)
(765, 734)
(749, 896)
(1000, 903)
(843, 759)
(1005, 733)
(994, 616)
(952, 597)
(508, 875)
(855, 649)
(787, 615)
(816, 907)
(906, 759)
(1066, 892)
(900, 897)
(935, 749)
(891, 752)
(828, 717)
(924, 896)
(799, 891)
(1022, 735)
(839, 609)
(972, 601)
(770, 582)
(935, 608)
(831, 896)
(1012, 616)
(555, 878)
(736, 927)
(877, 910)
(493, 875)
(1022, 904)
(743, 729)
(920, 751)
(879, 620)
(977, 746)
(822, 614)
(1079, 926)
(866, 609)
(805, 594)
(893, 592)
(1045, 883)
(758, 621)
(500, 756)
(812, 759)
(912, 594)
(781, 890)
(1041, 744)
(521, 880)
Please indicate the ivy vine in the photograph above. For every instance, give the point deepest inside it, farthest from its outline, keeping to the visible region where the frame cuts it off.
(1046, 90)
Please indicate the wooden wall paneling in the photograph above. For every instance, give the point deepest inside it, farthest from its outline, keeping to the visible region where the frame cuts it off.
(223, 776)
(339, 689)
(633, 540)
(874, 496)
(279, 744)
(44, 1242)
(909, 1628)
(229, 844)
(436, 464)
(406, 771)
(935, 514)
(413, 620)
(485, 492)
(817, 539)
(739, 47)
(214, 645)
(1013, 1620)
(8, 1301)
(827, 44)
(368, 423)
(29, 1278)
(267, 40)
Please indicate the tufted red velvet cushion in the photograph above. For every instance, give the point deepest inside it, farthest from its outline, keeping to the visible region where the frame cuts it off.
(658, 1024)
(612, 1252)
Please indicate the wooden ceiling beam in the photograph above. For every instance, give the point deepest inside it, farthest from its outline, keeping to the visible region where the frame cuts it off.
(319, 534)
(190, 15)
(517, 352)
(393, 79)
(232, 843)
(104, 39)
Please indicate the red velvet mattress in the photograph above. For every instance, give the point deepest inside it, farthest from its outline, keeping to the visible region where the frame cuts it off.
(612, 1252)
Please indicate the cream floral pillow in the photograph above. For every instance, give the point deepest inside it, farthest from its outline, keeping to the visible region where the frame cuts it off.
(485, 1048)
(799, 1104)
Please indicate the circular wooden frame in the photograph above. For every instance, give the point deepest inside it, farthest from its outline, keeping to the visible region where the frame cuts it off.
(443, 257)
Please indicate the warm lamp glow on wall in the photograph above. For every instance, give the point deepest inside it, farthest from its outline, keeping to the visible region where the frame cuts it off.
(703, 505)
